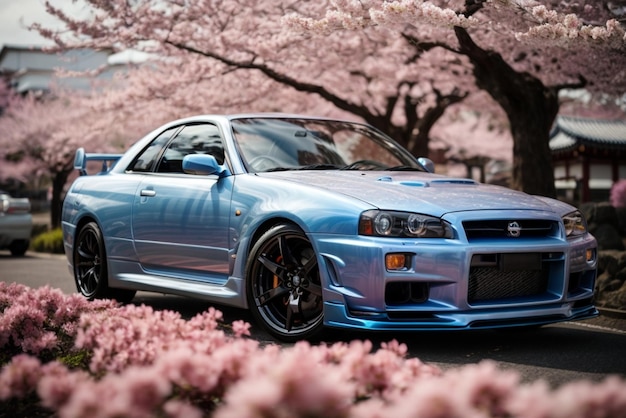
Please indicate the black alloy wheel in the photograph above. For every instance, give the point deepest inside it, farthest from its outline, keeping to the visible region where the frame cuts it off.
(90, 267)
(283, 284)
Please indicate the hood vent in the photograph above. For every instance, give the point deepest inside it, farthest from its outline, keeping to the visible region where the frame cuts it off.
(418, 183)
(454, 181)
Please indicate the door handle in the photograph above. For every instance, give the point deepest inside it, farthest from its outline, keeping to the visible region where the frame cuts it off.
(147, 193)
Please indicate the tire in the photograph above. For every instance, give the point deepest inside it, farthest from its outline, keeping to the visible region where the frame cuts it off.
(90, 267)
(283, 285)
(18, 247)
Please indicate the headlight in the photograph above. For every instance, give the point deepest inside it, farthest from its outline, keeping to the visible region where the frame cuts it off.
(402, 224)
(575, 224)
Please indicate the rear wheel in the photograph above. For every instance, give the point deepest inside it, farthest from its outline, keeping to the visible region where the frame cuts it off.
(283, 284)
(18, 247)
(90, 267)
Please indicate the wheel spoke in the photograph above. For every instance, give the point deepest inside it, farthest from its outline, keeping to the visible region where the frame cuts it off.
(89, 244)
(84, 255)
(309, 266)
(314, 289)
(275, 268)
(285, 252)
(270, 295)
(91, 281)
(307, 270)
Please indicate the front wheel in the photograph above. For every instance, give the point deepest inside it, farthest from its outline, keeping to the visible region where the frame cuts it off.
(283, 284)
(90, 267)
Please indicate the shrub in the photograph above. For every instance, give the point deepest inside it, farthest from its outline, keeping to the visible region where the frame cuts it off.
(147, 363)
(38, 229)
(48, 242)
(618, 194)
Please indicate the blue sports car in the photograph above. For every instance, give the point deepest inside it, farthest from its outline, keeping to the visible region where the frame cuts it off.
(315, 222)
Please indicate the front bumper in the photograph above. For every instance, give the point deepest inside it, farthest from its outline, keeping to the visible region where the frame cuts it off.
(457, 284)
(337, 316)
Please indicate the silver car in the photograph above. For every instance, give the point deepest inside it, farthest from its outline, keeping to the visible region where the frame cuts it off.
(16, 223)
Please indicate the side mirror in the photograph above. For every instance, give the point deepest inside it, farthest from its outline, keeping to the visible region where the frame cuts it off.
(427, 163)
(203, 165)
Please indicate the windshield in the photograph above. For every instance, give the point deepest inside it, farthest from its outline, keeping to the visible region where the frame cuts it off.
(275, 144)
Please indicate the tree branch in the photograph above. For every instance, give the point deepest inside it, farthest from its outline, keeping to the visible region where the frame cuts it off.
(283, 79)
(425, 46)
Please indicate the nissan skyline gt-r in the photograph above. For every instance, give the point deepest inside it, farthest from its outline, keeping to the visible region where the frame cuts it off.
(314, 222)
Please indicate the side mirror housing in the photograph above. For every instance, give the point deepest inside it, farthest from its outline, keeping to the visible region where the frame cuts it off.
(203, 165)
(427, 163)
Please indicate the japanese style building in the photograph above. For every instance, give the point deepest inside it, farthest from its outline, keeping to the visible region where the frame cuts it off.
(34, 69)
(589, 156)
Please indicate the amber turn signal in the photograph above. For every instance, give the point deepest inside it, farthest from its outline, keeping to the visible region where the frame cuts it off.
(396, 261)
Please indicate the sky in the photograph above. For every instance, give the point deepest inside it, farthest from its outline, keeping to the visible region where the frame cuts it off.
(15, 15)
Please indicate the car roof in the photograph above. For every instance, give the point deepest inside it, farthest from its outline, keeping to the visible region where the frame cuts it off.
(266, 115)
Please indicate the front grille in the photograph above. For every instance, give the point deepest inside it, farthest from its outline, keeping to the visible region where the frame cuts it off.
(507, 276)
(489, 284)
(529, 228)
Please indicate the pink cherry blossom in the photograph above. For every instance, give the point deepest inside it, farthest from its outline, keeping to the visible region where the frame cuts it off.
(19, 377)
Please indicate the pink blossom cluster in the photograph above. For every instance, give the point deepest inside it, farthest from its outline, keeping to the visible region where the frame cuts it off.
(34, 320)
(618, 194)
(419, 13)
(355, 15)
(565, 28)
(137, 335)
(155, 363)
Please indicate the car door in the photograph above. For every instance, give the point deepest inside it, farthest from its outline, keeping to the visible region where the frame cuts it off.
(180, 221)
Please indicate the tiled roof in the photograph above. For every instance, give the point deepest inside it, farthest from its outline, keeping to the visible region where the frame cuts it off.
(570, 132)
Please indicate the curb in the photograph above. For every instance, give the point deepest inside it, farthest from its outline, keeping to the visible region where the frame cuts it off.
(38, 254)
(612, 313)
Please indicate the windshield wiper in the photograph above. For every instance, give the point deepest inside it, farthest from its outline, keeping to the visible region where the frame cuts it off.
(306, 167)
(403, 168)
(365, 165)
(319, 167)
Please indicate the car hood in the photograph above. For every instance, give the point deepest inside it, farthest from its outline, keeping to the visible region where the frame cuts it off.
(415, 191)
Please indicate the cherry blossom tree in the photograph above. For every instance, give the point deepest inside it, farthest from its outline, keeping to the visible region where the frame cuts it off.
(41, 135)
(399, 67)
(5, 95)
(372, 76)
(522, 52)
(38, 141)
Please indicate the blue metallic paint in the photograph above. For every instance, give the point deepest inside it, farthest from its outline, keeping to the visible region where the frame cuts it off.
(190, 235)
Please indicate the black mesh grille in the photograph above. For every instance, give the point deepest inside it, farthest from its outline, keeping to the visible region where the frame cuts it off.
(529, 228)
(488, 283)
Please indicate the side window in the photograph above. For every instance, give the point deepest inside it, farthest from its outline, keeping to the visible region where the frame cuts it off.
(146, 161)
(192, 139)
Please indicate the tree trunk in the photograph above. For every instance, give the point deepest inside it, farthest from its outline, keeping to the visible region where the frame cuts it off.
(58, 182)
(531, 109)
(414, 135)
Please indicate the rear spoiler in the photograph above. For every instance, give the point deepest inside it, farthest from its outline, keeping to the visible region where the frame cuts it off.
(81, 159)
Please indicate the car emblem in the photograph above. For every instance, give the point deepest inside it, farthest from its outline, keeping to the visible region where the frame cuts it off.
(513, 229)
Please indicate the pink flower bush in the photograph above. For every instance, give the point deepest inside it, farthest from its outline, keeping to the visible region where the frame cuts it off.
(136, 335)
(19, 377)
(147, 363)
(618, 194)
(33, 320)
